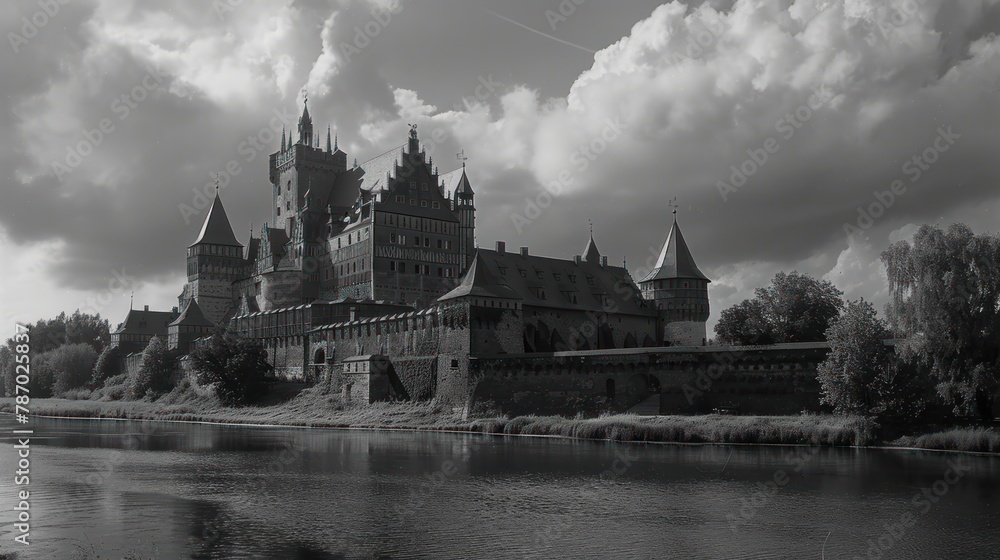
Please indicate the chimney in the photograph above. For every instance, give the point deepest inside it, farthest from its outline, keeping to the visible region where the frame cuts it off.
(501, 248)
(604, 261)
(145, 308)
(576, 259)
(524, 251)
(174, 310)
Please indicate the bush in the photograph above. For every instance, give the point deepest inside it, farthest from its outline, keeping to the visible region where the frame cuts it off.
(234, 366)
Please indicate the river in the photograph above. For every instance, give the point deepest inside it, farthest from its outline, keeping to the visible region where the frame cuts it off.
(108, 489)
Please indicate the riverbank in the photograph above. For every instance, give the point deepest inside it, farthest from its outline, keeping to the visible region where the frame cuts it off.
(826, 430)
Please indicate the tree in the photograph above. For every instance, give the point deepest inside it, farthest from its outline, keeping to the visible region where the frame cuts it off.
(235, 366)
(744, 324)
(7, 371)
(944, 308)
(793, 308)
(108, 365)
(154, 377)
(71, 365)
(861, 375)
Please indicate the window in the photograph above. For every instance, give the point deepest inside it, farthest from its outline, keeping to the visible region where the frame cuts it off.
(427, 242)
(413, 202)
(435, 204)
(413, 184)
(289, 185)
(439, 243)
(423, 204)
(392, 266)
(392, 238)
(402, 267)
(416, 240)
(279, 210)
(401, 199)
(423, 186)
(402, 240)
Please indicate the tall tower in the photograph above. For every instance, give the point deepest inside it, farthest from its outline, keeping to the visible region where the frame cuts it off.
(214, 262)
(300, 166)
(464, 203)
(680, 292)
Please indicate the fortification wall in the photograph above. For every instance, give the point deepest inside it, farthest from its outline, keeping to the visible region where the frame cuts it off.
(778, 379)
(567, 330)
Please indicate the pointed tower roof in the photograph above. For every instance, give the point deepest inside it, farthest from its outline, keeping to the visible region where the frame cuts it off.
(590, 253)
(479, 281)
(217, 230)
(675, 260)
(192, 316)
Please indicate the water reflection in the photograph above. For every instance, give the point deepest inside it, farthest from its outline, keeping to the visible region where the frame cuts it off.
(107, 489)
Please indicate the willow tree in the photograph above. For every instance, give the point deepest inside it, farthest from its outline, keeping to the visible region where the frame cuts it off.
(944, 309)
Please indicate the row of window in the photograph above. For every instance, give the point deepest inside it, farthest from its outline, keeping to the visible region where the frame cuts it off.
(419, 224)
(401, 240)
(221, 250)
(413, 202)
(425, 269)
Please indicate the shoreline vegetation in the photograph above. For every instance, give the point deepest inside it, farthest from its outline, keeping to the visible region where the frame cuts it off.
(314, 409)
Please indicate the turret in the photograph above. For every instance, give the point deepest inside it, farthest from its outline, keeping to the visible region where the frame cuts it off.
(464, 203)
(214, 261)
(305, 126)
(680, 292)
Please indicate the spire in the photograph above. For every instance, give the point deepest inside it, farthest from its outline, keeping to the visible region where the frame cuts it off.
(283, 147)
(305, 122)
(675, 260)
(217, 230)
(329, 149)
(335, 142)
(590, 253)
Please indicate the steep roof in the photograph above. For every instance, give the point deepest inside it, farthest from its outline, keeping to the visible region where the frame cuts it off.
(675, 260)
(217, 230)
(479, 281)
(590, 253)
(456, 182)
(192, 316)
(144, 322)
(375, 169)
(548, 282)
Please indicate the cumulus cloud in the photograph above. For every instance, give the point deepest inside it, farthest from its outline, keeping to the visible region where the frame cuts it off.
(774, 123)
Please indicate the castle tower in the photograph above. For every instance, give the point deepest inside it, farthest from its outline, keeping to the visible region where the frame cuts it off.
(680, 292)
(214, 262)
(464, 204)
(300, 166)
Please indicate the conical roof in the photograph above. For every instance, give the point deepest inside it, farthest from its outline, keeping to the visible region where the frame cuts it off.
(479, 281)
(216, 229)
(675, 260)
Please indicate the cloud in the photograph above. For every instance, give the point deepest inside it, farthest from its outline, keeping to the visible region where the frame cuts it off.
(684, 102)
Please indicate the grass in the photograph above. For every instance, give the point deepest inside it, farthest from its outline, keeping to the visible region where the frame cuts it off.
(982, 440)
(317, 407)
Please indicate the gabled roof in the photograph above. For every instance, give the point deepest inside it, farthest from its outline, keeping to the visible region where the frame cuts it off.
(479, 281)
(675, 260)
(553, 283)
(376, 169)
(143, 322)
(590, 253)
(217, 230)
(192, 316)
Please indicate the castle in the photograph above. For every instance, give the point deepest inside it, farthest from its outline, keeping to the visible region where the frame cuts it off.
(372, 273)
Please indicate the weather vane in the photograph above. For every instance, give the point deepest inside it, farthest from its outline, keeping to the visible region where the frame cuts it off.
(216, 183)
(591, 222)
(305, 95)
(673, 204)
(461, 157)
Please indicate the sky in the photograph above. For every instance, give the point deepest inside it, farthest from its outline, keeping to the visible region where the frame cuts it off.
(799, 135)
